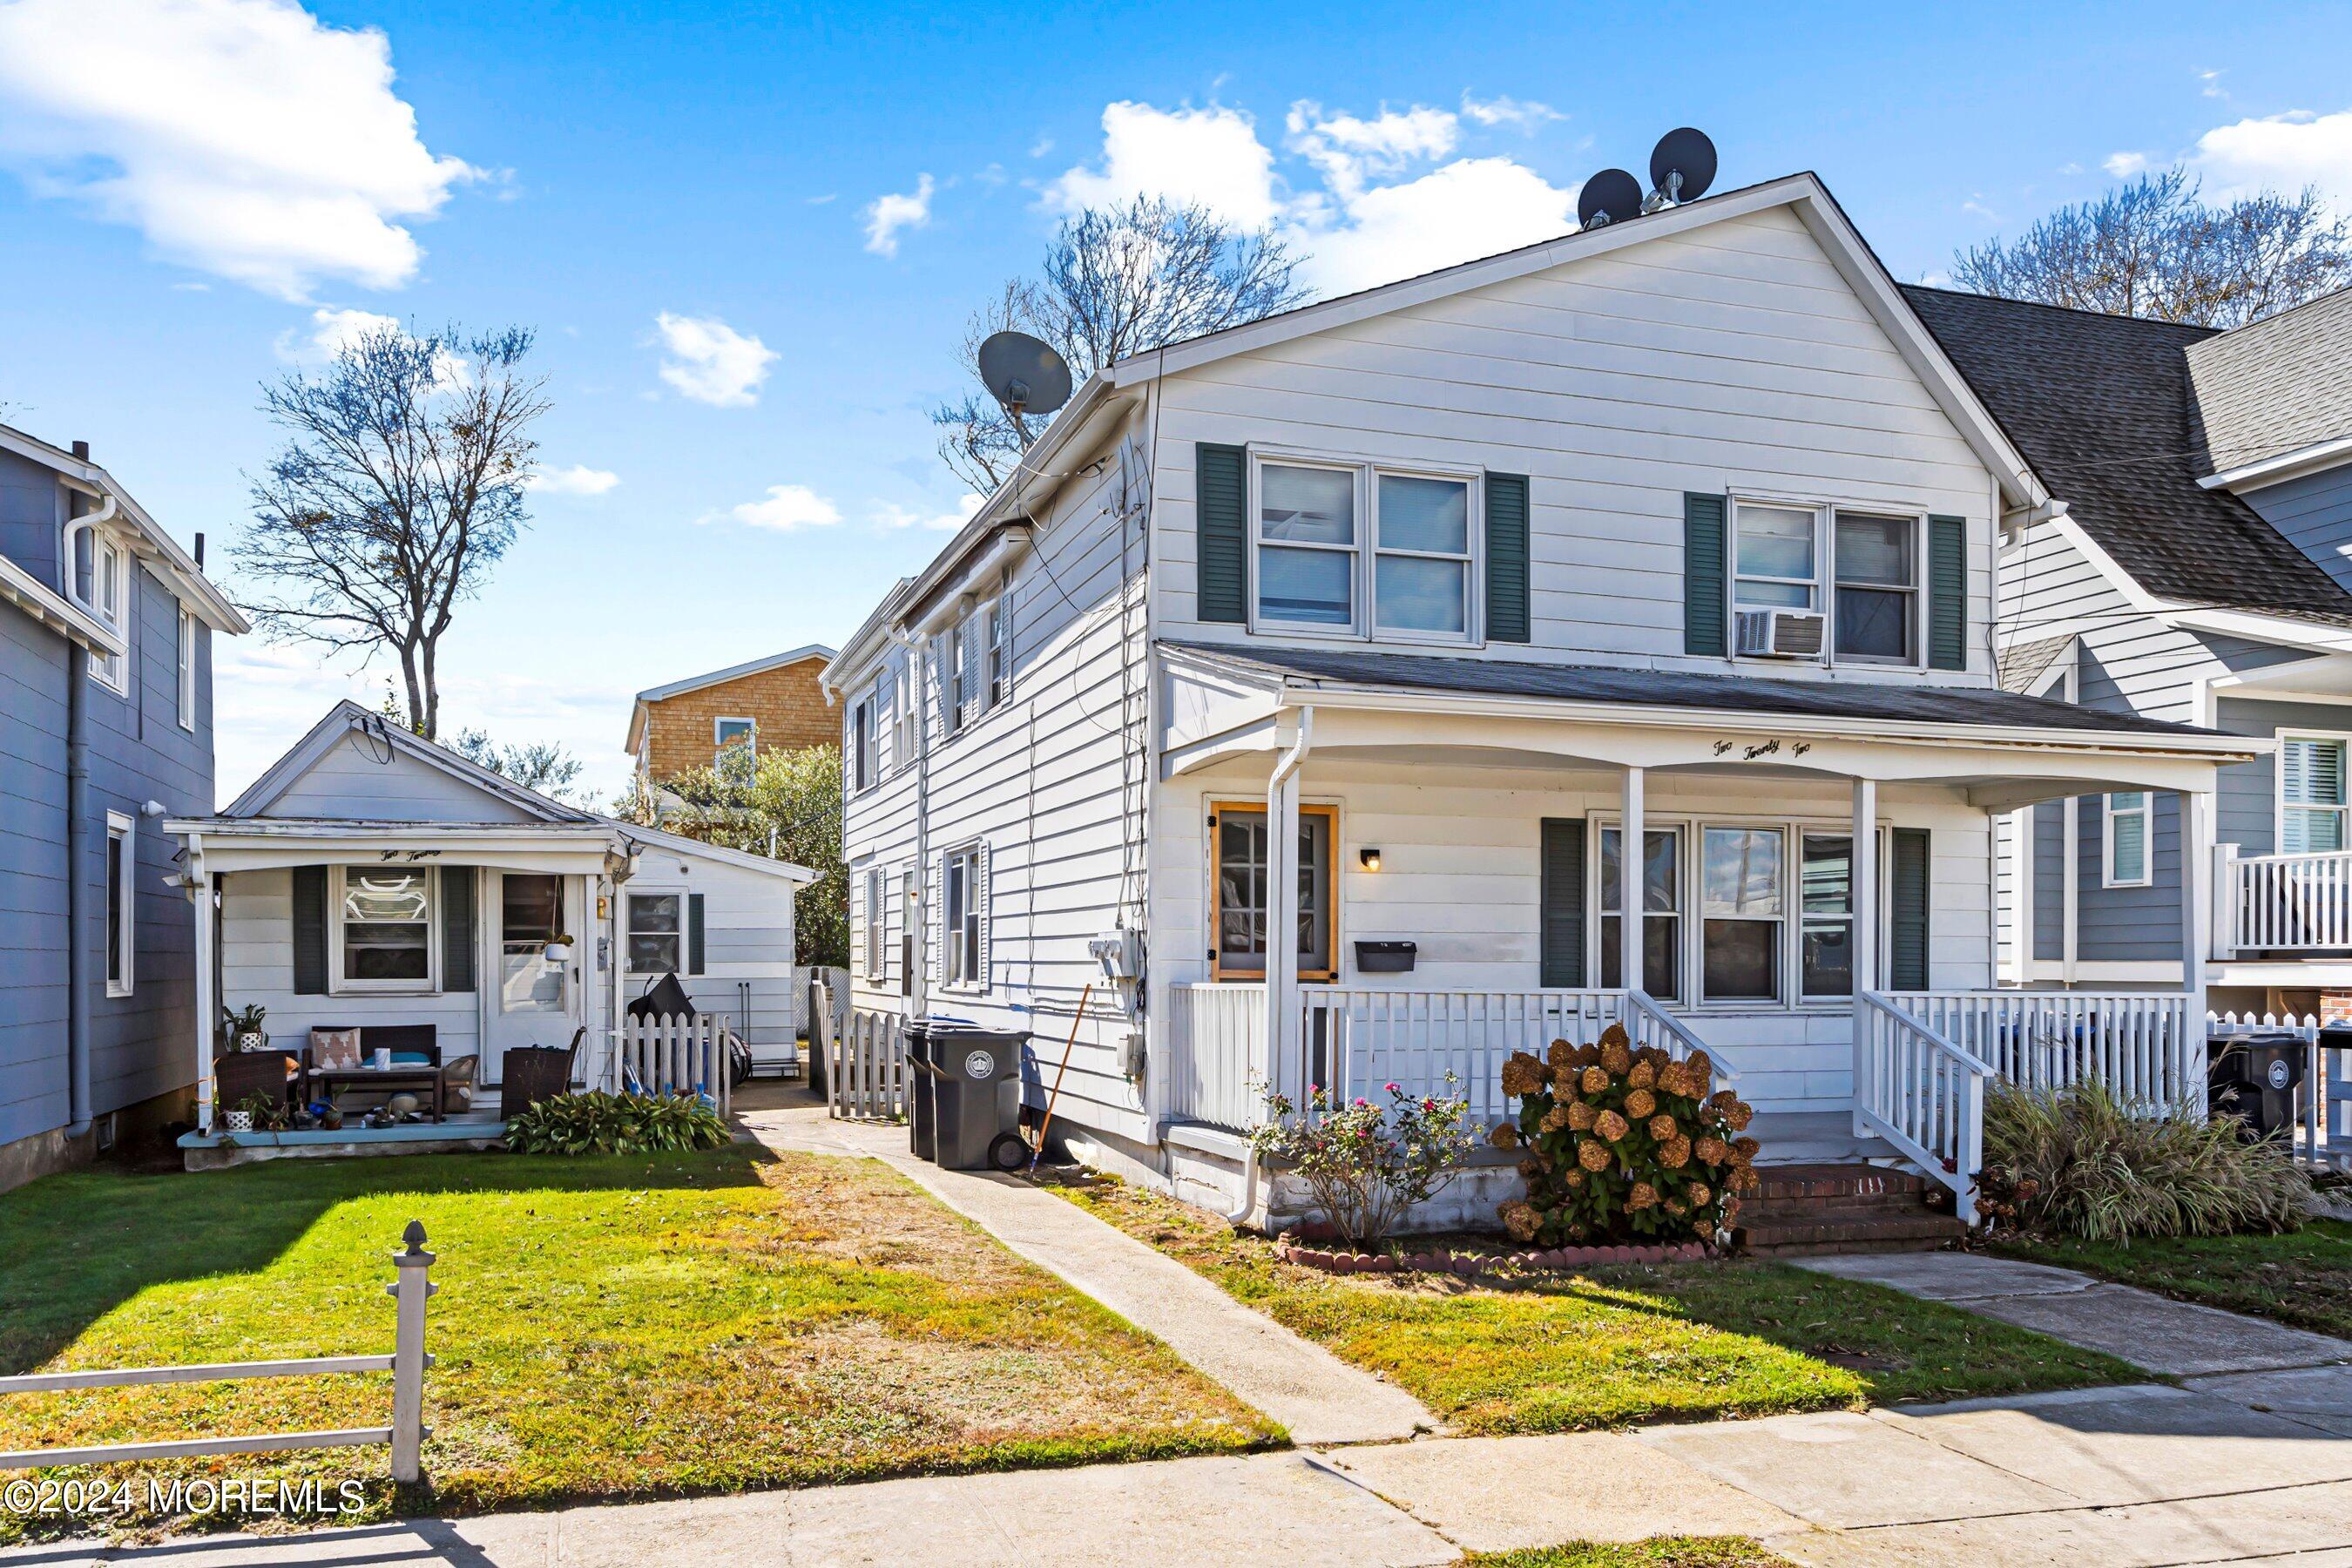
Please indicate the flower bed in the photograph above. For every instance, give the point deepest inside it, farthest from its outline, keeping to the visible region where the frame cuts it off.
(1466, 1264)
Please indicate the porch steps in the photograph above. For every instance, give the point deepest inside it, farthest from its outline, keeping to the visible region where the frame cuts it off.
(1812, 1210)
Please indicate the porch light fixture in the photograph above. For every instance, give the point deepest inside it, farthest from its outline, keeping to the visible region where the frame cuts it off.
(1370, 859)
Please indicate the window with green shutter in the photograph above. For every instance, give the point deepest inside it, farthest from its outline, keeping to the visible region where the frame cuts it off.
(1221, 512)
(1704, 613)
(1508, 617)
(1561, 881)
(1907, 901)
(1948, 592)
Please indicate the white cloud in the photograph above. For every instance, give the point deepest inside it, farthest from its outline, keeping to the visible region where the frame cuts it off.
(1348, 150)
(710, 362)
(332, 331)
(2124, 166)
(2283, 152)
(245, 138)
(2213, 88)
(888, 515)
(1469, 209)
(1523, 113)
(887, 215)
(786, 508)
(1210, 156)
(579, 479)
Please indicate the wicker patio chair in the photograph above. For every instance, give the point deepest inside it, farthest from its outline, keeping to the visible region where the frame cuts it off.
(529, 1073)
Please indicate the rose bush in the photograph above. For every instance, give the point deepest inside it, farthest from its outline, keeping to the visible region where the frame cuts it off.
(1619, 1144)
(1367, 1165)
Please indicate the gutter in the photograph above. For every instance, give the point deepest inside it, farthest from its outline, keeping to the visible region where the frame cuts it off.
(1289, 762)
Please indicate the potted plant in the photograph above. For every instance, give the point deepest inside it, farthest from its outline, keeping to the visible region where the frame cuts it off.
(245, 1031)
(559, 948)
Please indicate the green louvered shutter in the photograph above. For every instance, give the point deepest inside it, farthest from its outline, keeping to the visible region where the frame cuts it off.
(694, 940)
(1507, 558)
(1703, 559)
(457, 928)
(1562, 917)
(309, 930)
(1220, 508)
(1948, 592)
(1906, 956)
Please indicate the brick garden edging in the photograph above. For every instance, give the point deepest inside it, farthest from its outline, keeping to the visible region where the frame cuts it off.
(1466, 1264)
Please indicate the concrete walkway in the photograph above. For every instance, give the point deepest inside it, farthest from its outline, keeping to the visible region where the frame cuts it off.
(1320, 1398)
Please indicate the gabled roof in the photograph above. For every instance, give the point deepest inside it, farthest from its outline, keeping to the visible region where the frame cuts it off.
(2275, 387)
(2101, 406)
(345, 717)
(716, 678)
(2026, 666)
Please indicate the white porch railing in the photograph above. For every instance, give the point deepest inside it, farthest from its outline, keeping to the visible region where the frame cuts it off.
(1219, 1059)
(2282, 903)
(2148, 1047)
(1923, 1093)
(686, 1054)
(1356, 1041)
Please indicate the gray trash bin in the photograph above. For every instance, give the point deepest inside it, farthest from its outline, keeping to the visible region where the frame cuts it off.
(975, 1078)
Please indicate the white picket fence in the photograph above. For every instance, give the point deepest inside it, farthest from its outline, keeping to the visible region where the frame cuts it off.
(865, 1076)
(683, 1054)
(2325, 1098)
(405, 1437)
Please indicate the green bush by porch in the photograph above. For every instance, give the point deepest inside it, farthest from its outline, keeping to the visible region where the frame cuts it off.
(607, 1327)
(1612, 1346)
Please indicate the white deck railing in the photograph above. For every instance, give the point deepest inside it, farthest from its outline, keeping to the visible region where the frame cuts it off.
(2282, 903)
(1218, 1063)
(1922, 1092)
(1358, 1041)
(2146, 1047)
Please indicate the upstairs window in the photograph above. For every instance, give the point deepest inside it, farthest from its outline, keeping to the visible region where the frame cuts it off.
(861, 744)
(1877, 589)
(1775, 558)
(187, 668)
(1421, 578)
(110, 592)
(1361, 550)
(998, 656)
(1307, 546)
(2310, 795)
(2125, 839)
(732, 741)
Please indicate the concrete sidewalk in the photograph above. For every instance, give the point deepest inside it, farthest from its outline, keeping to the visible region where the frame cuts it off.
(1320, 1398)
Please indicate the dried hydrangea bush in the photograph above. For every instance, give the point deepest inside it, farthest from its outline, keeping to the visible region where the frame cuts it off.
(1616, 1144)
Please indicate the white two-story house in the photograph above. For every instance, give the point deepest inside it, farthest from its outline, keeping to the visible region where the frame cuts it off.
(2200, 571)
(1301, 690)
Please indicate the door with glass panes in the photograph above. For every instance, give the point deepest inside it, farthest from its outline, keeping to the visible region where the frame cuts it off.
(534, 998)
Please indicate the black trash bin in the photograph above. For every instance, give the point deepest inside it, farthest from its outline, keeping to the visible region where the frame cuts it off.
(2254, 1077)
(922, 1087)
(976, 1085)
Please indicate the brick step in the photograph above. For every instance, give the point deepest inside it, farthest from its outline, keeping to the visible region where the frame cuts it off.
(1790, 1209)
(1809, 1183)
(1920, 1230)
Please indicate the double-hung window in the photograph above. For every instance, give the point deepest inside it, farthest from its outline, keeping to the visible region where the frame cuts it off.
(2124, 838)
(961, 894)
(121, 873)
(1742, 897)
(875, 952)
(1357, 550)
(732, 743)
(997, 654)
(1661, 903)
(2310, 795)
(861, 742)
(656, 935)
(1825, 896)
(187, 668)
(1877, 561)
(385, 921)
(109, 594)
(1776, 557)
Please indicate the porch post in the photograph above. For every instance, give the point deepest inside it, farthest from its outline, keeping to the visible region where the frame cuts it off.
(1285, 1068)
(1863, 861)
(200, 895)
(2196, 896)
(1630, 857)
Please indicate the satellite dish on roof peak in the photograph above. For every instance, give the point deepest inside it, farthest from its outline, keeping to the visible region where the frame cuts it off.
(1023, 374)
(1611, 196)
(1682, 166)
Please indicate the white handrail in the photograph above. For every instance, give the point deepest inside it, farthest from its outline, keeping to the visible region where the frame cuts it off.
(2143, 1046)
(1646, 1019)
(1921, 1093)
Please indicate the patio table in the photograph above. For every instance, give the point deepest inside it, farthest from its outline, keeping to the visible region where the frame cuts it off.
(424, 1076)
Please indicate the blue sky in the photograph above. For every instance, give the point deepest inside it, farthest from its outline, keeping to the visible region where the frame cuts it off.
(750, 235)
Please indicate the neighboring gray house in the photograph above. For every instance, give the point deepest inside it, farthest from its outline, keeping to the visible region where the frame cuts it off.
(106, 725)
(2195, 565)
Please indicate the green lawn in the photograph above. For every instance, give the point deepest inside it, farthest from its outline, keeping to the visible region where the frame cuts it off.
(1611, 1346)
(1662, 1551)
(605, 1328)
(2304, 1278)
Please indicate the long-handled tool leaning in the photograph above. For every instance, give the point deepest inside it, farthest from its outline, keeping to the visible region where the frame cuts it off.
(1052, 1099)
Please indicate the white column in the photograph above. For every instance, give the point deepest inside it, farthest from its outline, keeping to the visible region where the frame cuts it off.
(1863, 862)
(2196, 895)
(1630, 857)
(2069, 880)
(1284, 1065)
(200, 895)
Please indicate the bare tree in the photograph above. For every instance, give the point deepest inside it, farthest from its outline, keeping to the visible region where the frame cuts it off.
(546, 766)
(2153, 249)
(401, 486)
(1117, 281)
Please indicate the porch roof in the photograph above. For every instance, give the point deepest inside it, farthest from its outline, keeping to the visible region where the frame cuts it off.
(230, 843)
(1869, 701)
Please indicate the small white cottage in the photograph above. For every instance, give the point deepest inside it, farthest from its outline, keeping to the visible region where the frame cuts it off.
(371, 878)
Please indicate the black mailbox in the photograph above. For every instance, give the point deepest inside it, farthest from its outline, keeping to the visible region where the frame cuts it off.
(1385, 957)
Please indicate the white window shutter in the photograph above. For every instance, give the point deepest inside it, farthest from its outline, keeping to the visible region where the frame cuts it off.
(980, 901)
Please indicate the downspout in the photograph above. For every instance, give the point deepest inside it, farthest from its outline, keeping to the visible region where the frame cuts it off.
(1289, 762)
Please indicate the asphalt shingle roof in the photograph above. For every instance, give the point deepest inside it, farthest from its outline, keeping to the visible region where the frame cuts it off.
(2283, 384)
(2103, 409)
(1904, 703)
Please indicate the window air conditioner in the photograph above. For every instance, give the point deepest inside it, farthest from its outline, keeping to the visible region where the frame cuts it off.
(1781, 634)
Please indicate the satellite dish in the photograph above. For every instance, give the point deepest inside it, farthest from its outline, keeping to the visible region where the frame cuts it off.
(1023, 374)
(1610, 196)
(1682, 165)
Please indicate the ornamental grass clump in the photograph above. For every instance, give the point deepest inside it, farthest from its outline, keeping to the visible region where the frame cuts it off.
(1367, 1165)
(2079, 1162)
(1617, 1142)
